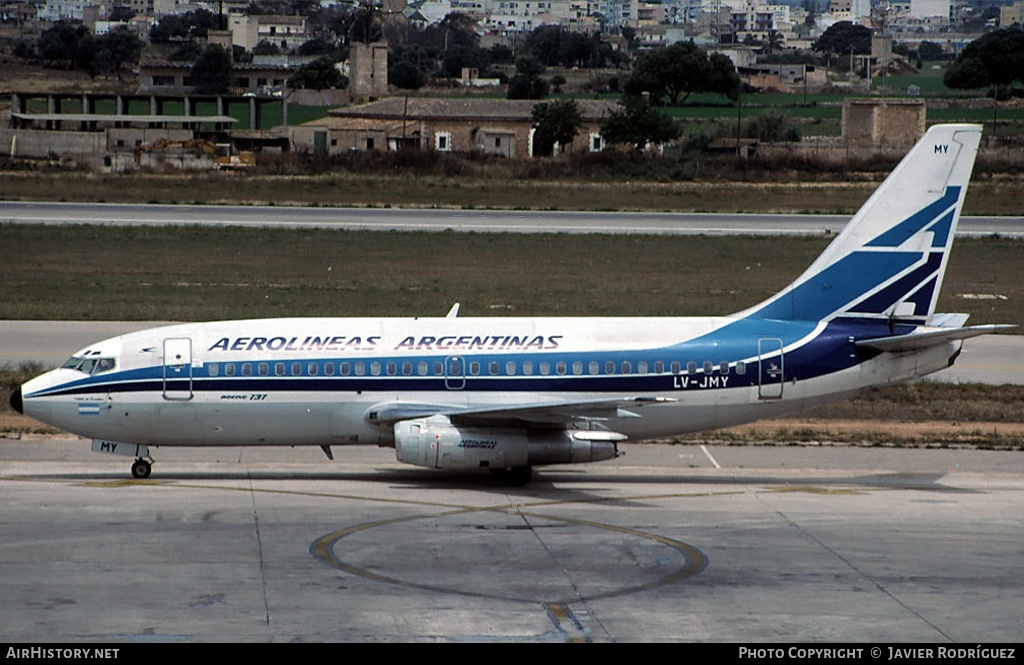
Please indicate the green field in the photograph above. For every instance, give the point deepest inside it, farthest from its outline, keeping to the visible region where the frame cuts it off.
(202, 273)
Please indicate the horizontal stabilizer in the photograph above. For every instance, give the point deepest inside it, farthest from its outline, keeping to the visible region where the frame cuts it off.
(920, 340)
(947, 320)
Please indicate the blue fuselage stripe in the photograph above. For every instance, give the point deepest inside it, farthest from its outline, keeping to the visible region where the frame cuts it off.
(829, 351)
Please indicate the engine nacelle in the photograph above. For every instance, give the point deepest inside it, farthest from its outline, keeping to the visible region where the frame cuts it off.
(436, 443)
(572, 447)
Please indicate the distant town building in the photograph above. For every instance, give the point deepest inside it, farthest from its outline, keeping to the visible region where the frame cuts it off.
(933, 11)
(1012, 14)
(497, 126)
(883, 124)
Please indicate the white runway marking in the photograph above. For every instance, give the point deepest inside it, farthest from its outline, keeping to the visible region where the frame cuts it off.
(713, 461)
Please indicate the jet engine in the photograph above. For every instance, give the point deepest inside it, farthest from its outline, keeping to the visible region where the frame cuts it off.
(434, 442)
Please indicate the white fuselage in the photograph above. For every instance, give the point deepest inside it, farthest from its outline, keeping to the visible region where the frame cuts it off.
(318, 381)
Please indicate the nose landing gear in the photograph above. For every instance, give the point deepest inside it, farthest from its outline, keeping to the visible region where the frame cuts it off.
(141, 468)
(143, 464)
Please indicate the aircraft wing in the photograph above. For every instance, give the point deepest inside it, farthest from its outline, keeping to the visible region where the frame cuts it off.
(919, 340)
(542, 414)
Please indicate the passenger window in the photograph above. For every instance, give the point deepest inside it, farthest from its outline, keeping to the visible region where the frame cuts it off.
(296, 369)
(545, 367)
(329, 369)
(577, 367)
(609, 367)
(392, 369)
(279, 369)
(659, 367)
(246, 369)
(691, 367)
(510, 368)
(474, 368)
(627, 367)
(708, 367)
(723, 367)
(360, 368)
(421, 368)
(560, 367)
(676, 367)
(264, 369)
(595, 367)
(375, 368)
(312, 369)
(213, 369)
(741, 367)
(527, 367)
(407, 368)
(438, 369)
(229, 369)
(641, 367)
(492, 368)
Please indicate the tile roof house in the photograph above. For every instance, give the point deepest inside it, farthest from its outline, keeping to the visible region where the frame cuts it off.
(497, 126)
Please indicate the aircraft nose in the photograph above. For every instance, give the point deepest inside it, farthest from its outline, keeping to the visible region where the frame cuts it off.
(16, 402)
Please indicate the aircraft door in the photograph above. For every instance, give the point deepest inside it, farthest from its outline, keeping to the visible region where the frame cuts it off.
(771, 372)
(454, 372)
(178, 368)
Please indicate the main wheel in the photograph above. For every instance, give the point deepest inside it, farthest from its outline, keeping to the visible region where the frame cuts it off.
(141, 468)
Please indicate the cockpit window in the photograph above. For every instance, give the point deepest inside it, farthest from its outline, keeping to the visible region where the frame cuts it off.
(90, 365)
(72, 363)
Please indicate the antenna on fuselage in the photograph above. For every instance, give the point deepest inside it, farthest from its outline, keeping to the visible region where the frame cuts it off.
(453, 312)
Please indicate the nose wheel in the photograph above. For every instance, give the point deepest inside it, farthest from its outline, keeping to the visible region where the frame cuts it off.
(141, 468)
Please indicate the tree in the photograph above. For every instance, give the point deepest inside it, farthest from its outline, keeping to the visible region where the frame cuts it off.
(411, 65)
(527, 83)
(681, 70)
(842, 36)
(121, 14)
(60, 45)
(116, 49)
(639, 124)
(211, 72)
(190, 25)
(557, 122)
(773, 43)
(927, 50)
(320, 74)
(996, 58)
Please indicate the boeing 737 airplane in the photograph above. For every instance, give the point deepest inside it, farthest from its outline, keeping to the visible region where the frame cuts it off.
(508, 394)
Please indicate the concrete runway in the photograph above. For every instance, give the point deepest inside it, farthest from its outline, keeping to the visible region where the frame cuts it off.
(788, 544)
(478, 221)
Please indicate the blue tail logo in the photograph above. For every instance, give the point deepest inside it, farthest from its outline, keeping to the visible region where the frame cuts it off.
(889, 261)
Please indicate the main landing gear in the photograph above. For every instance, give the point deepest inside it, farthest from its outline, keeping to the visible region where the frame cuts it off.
(141, 468)
(517, 476)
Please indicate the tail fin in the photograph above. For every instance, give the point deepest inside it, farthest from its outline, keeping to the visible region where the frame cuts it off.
(889, 261)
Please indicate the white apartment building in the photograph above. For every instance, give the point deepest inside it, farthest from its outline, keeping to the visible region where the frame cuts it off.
(758, 19)
(285, 32)
(63, 10)
(932, 11)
